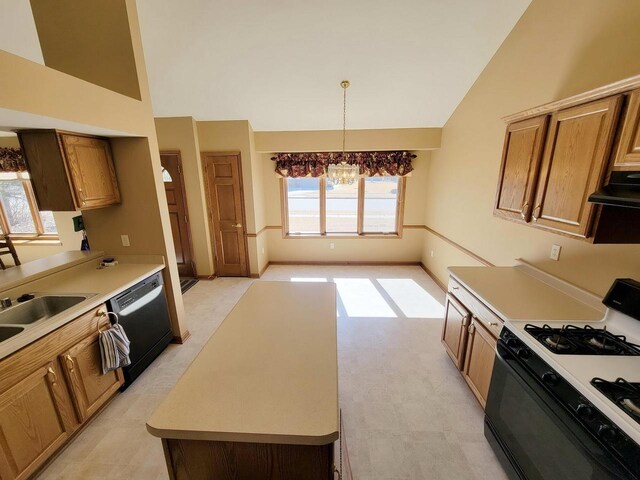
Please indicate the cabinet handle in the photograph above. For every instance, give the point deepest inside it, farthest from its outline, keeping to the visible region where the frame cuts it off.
(523, 211)
(454, 288)
(493, 324)
(537, 209)
(52, 375)
(70, 363)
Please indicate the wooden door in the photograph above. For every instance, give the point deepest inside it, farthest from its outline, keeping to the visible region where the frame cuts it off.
(574, 165)
(91, 169)
(178, 212)
(35, 420)
(454, 330)
(90, 389)
(520, 166)
(223, 186)
(478, 365)
(628, 152)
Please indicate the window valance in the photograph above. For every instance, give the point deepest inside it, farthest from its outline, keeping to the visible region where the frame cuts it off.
(11, 160)
(295, 165)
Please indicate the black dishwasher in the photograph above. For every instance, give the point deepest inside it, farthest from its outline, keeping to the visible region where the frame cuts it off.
(142, 311)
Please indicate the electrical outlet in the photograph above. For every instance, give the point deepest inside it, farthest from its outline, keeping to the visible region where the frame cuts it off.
(125, 240)
(555, 252)
(432, 253)
(332, 245)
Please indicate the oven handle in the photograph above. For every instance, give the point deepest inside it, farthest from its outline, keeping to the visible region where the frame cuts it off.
(545, 399)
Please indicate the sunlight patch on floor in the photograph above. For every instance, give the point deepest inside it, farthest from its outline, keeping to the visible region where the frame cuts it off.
(308, 279)
(361, 298)
(411, 298)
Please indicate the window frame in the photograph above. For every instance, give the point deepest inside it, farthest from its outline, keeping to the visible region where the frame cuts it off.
(39, 234)
(284, 211)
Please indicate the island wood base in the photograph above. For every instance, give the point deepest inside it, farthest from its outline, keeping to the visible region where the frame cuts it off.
(214, 460)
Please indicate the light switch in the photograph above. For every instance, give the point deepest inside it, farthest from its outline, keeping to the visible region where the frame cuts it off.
(555, 252)
(332, 245)
(125, 240)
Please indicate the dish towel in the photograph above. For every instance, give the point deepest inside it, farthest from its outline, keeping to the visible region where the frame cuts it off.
(114, 348)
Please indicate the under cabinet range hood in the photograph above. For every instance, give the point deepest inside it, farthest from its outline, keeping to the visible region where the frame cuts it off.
(623, 190)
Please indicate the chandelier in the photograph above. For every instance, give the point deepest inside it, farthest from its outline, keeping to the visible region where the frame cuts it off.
(342, 173)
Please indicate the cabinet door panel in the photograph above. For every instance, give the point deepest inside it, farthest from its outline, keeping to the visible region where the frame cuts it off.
(628, 153)
(454, 330)
(90, 389)
(574, 164)
(478, 367)
(91, 169)
(34, 422)
(520, 167)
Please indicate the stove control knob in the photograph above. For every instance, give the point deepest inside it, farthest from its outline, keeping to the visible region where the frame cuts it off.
(513, 342)
(585, 411)
(607, 432)
(550, 378)
(524, 353)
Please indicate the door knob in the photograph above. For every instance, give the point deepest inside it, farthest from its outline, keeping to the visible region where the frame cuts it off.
(238, 225)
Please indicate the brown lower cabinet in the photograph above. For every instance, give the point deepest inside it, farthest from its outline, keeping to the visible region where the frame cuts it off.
(469, 336)
(478, 365)
(40, 406)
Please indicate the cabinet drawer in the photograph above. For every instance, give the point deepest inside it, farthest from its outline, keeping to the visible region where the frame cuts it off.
(478, 309)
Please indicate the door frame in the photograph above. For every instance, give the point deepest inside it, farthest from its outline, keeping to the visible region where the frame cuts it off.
(186, 206)
(212, 237)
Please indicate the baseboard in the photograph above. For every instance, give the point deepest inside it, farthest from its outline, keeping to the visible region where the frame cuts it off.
(442, 286)
(180, 339)
(353, 263)
(207, 277)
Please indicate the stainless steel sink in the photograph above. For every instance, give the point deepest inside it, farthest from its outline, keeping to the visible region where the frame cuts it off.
(7, 332)
(41, 307)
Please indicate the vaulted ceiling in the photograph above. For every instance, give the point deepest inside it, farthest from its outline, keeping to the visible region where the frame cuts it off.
(278, 63)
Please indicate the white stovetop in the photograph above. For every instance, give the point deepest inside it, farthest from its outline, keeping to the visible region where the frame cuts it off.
(579, 370)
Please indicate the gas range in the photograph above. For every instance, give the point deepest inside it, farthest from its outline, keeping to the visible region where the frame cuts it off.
(584, 375)
(586, 340)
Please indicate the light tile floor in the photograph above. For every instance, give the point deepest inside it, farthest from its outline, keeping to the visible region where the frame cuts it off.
(408, 413)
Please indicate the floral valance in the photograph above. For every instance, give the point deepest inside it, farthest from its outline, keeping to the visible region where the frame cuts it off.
(11, 160)
(295, 165)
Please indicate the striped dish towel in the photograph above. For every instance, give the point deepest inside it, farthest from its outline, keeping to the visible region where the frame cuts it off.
(114, 348)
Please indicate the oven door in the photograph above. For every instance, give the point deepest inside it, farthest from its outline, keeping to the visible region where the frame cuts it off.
(536, 435)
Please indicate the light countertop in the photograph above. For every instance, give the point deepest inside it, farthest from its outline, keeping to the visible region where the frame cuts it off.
(30, 271)
(84, 278)
(515, 295)
(269, 373)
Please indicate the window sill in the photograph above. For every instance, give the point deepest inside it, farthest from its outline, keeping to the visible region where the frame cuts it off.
(36, 242)
(342, 235)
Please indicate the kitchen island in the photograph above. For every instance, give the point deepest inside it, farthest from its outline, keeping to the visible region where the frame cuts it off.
(260, 401)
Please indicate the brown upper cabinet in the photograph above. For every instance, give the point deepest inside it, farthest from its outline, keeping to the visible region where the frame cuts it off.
(556, 155)
(70, 171)
(519, 171)
(628, 151)
(574, 165)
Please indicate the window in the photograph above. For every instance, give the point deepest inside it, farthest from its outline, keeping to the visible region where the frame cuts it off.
(315, 206)
(19, 215)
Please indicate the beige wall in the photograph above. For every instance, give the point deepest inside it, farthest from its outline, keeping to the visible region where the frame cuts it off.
(101, 37)
(554, 51)
(27, 87)
(180, 133)
(331, 140)
(236, 135)
(405, 249)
